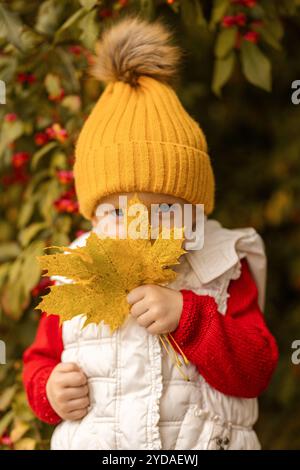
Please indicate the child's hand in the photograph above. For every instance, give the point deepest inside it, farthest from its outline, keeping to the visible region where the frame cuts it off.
(67, 391)
(156, 308)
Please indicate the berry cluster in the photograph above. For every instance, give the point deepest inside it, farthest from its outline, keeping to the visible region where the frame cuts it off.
(243, 21)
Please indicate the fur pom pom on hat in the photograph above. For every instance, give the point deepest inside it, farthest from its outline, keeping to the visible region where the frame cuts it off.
(138, 136)
(133, 48)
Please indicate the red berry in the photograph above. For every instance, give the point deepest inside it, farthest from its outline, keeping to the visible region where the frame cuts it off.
(10, 117)
(21, 78)
(70, 193)
(43, 284)
(19, 159)
(26, 78)
(240, 19)
(20, 176)
(250, 3)
(232, 20)
(245, 3)
(251, 36)
(66, 205)
(57, 132)
(228, 21)
(65, 176)
(31, 78)
(41, 138)
(50, 132)
(6, 440)
(75, 49)
(105, 13)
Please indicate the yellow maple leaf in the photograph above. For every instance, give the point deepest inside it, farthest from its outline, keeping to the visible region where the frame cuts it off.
(102, 273)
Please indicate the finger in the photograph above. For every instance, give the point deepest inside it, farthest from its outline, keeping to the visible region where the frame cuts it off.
(155, 328)
(78, 414)
(136, 294)
(146, 319)
(78, 404)
(68, 367)
(71, 393)
(139, 308)
(73, 379)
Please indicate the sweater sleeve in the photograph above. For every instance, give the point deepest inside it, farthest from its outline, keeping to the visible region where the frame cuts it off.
(235, 353)
(38, 362)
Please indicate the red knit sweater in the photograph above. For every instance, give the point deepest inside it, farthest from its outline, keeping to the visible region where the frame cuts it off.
(235, 353)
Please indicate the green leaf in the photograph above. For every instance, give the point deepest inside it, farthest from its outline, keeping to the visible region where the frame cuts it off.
(9, 250)
(71, 21)
(7, 396)
(31, 271)
(19, 429)
(34, 248)
(52, 84)
(225, 42)
(31, 39)
(268, 36)
(27, 234)
(5, 421)
(8, 67)
(50, 191)
(10, 27)
(10, 131)
(222, 72)
(192, 13)
(88, 4)
(26, 443)
(271, 31)
(60, 239)
(69, 71)
(40, 153)
(26, 212)
(89, 26)
(49, 16)
(63, 224)
(256, 66)
(4, 269)
(32, 190)
(15, 269)
(58, 160)
(14, 301)
(218, 11)
(72, 103)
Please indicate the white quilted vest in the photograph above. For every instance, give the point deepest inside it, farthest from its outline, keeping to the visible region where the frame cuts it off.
(139, 400)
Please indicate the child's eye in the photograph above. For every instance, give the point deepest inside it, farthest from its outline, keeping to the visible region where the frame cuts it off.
(117, 212)
(164, 207)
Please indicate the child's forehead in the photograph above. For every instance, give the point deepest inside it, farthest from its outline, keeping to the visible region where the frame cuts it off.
(146, 198)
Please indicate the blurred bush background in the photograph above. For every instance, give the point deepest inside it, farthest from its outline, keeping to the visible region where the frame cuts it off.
(241, 59)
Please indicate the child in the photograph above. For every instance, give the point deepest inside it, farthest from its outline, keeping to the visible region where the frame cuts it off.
(123, 391)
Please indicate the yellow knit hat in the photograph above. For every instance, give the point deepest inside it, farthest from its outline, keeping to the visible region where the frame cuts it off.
(138, 136)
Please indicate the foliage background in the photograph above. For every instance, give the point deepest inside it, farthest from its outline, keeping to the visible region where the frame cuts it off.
(242, 57)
